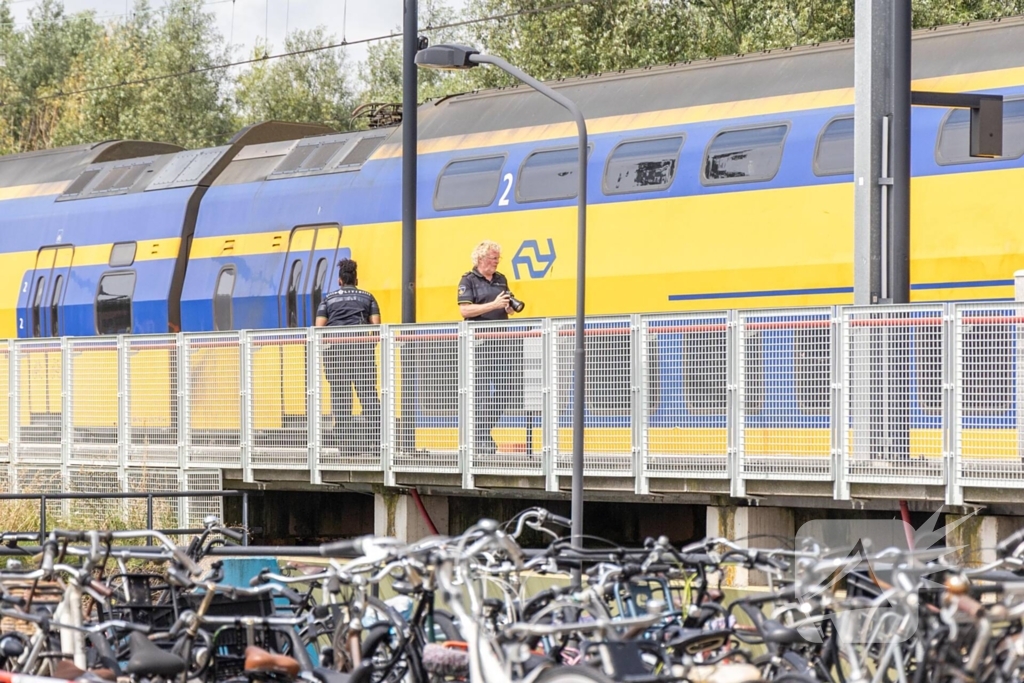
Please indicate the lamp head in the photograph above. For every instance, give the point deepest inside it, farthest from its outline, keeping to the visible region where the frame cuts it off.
(446, 57)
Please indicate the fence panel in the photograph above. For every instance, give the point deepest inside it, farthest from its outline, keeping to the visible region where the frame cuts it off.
(93, 479)
(348, 400)
(685, 384)
(608, 404)
(40, 479)
(198, 508)
(893, 393)
(151, 402)
(988, 420)
(785, 394)
(5, 404)
(277, 399)
(213, 398)
(505, 399)
(38, 372)
(93, 400)
(424, 371)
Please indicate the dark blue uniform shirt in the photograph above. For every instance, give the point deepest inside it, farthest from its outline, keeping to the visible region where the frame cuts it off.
(475, 289)
(348, 306)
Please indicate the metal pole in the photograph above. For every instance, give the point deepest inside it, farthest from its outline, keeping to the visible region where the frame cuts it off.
(149, 517)
(42, 520)
(245, 518)
(579, 351)
(409, 103)
(899, 167)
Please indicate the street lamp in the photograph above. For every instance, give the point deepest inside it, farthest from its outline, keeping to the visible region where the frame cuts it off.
(462, 57)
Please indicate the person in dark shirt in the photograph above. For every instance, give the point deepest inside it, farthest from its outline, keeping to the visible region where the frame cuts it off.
(351, 362)
(498, 361)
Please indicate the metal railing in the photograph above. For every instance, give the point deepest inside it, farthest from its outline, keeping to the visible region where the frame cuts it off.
(923, 395)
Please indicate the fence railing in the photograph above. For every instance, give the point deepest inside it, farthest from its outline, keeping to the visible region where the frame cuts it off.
(925, 395)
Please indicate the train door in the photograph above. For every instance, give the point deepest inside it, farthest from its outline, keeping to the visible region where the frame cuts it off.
(306, 278)
(40, 304)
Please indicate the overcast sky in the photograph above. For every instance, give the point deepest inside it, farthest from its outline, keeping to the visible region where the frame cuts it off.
(246, 21)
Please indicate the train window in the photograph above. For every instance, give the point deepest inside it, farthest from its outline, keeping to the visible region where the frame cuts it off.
(114, 303)
(987, 386)
(548, 175)
(954, 143)
(37, 302)
(833, 155)
(744, 155)
(319, 279)
(294, 282)
(468, 184)
(642, 165)
(122, 254)
(608, 373)
(927, 359)
(812, 369)
(704, 371)
(223, 304)
(436, 392)
(58, 287)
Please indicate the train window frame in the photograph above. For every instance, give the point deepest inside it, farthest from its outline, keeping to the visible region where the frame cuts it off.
(459, 160)
(122, 262)
(997, 377)
(131, 300)
(291, 297)
(607, 190)
(317, 294)
(229, 297)
(520, 199)
(712, 182)
(37, 304)
(55, 301)
(941, 161)
(815, 166)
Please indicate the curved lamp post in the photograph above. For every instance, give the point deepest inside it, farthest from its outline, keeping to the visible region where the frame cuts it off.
(463, 57)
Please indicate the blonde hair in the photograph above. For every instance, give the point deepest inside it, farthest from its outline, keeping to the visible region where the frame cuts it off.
(483, 249)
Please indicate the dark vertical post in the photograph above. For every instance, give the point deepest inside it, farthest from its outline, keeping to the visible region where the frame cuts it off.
(245, 518)
(899, 230)
(42, 519)
(410, 100)
(149, 517)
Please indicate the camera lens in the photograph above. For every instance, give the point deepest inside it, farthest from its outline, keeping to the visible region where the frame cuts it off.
(516, 304)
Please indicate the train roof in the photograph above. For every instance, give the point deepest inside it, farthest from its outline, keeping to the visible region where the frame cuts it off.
(943, 51)
(64, 163)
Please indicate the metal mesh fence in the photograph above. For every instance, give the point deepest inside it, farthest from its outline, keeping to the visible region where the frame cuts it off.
(277, 399)
(785, 394)
(40, 479)
(85, 479)
(213, 400)
(93, 400)
(685, 387)
(608, 402)
(166, 511)
(893, 393)
(988, 421)
(38, 371)
(5, 404)
(348, 400)
(151, 404)
(198, 508)
(425, 391)
(505, 404)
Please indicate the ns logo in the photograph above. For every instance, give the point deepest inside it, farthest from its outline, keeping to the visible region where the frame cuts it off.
(530, 257)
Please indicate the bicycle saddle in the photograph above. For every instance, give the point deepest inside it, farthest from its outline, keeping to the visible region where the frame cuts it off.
(258, 659)
(693, 641)
(148, 659)
(774, 632)
(66, 670)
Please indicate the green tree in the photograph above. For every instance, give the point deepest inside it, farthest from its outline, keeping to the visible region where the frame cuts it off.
(382, 72)
(312, 87)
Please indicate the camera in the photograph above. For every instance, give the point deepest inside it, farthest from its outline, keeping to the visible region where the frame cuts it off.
(515, 303)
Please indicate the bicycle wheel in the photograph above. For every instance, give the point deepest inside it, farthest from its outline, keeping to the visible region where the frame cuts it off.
(572, 674)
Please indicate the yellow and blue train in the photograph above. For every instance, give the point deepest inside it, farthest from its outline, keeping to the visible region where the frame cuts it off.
(720, 184)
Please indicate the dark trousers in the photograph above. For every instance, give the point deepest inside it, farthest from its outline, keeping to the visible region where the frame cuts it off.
(498, 383)
(348, 365)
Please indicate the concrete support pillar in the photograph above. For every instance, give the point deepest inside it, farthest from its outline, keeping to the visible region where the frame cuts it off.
(744, 525)
(396, 514)
(976, 538)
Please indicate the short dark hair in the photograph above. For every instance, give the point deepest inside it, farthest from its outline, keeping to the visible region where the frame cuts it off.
(347, 271)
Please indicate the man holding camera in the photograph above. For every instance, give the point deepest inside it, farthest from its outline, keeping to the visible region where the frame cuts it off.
(484, 295)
